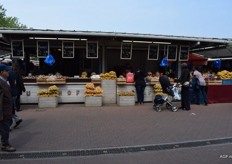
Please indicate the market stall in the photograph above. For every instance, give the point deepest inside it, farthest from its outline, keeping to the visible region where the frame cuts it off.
(72, 52)
(73, 90)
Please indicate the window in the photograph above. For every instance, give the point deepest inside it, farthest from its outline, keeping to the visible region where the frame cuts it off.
(184, 53)
(153, 52)
(92, 50)
(126, 51)
(172, 52)
(42, 49)
(17, 48)
(68, 49)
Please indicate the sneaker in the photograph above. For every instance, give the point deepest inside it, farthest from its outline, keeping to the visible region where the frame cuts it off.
(8, 148)
(17, 123)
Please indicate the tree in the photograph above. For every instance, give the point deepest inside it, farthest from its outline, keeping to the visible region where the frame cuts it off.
(10, 22)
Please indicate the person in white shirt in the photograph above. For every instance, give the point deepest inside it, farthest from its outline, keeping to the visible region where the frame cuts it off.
(201, 89)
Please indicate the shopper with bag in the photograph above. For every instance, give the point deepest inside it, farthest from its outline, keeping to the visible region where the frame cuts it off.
(184, 80)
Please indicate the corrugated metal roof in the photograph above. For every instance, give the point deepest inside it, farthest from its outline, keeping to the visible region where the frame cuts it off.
(112, 34)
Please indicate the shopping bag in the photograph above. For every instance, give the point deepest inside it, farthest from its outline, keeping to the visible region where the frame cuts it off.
(129, 77)
(49, 60)
(177, 93)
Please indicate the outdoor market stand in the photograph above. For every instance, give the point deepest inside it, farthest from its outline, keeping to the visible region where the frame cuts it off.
(73, 90)
(77, 51)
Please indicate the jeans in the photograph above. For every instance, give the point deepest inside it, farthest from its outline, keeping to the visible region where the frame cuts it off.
(202, 90)
(16, 102)
(5, 131)
(140, 93)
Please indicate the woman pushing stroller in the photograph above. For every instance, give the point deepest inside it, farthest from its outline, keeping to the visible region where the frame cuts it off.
(184, 80)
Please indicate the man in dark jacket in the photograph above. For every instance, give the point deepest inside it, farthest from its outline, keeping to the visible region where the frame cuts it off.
(140, 85)
(15, 92)
(6, 109)
(184, 81)
(19, 85)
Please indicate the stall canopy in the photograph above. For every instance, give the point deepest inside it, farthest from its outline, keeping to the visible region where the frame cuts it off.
(225, 52)
(197, 59)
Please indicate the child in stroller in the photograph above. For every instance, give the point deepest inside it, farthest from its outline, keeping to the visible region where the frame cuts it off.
(160, 100)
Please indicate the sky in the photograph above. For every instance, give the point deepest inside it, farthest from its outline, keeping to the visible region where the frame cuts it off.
(197, 18)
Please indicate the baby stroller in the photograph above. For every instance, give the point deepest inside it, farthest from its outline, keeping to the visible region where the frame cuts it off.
(169, 90)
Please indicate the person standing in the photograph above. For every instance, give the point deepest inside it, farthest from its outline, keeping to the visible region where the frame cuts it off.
(140, 85)
(12, 79)
(202, 86)
(6, 109)
(185, 81)
(19, 86)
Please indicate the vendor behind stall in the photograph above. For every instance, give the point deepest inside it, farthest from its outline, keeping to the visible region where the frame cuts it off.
(149, 76)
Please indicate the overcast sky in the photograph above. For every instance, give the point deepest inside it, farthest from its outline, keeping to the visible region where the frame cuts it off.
(200, 18)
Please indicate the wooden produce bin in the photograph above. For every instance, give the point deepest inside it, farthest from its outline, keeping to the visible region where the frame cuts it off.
(48, 102)
(126, 100)
(109, 91)
(93, 101)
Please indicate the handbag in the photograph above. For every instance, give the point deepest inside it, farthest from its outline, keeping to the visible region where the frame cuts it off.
(186, 84)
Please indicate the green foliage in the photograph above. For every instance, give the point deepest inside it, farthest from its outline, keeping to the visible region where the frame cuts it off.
(9, 22)
(230, 45)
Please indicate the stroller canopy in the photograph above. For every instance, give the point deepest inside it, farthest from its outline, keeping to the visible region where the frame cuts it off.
(165, 84)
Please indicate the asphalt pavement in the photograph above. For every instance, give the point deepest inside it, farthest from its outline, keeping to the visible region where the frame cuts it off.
(111, 134)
